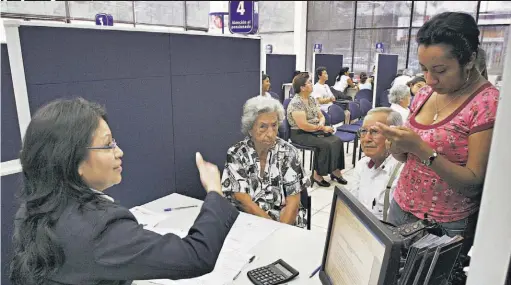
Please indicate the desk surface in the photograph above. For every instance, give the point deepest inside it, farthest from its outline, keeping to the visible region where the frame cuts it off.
(302, 249)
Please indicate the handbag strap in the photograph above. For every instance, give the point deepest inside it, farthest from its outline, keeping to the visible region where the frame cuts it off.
(386, 201)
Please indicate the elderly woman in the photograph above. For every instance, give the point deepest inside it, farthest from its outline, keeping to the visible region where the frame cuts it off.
(378, 169)
(399, 97)
(308, 128)
(446, 141)
(263, 174)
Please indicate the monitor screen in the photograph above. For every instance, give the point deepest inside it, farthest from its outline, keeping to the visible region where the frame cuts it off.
(355, 255)
(358, 250)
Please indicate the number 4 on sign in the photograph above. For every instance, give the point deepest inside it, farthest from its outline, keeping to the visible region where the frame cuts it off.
(241, 8)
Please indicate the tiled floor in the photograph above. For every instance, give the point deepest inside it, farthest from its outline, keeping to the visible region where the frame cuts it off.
(322, 197)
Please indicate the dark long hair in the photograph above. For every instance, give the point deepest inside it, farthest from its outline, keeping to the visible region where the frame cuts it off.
(53, 148)
(363, 77)
(342, 72)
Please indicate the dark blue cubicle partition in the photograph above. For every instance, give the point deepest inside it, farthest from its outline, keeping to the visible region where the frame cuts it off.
(209, 87)
(280, 68)
(332, 62)
(129, 73)
(11, 137)
(9, 205)
(385, 74)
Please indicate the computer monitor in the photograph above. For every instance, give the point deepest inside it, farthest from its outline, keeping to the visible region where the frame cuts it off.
(359, 249)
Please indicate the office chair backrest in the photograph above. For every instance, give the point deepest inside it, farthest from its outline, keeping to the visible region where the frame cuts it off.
(327, 118)
(336, 114)
(365, 106)
(364, 94)
(286, 103)
(355, 112)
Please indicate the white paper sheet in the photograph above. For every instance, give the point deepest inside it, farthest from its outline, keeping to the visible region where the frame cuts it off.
(147, 217)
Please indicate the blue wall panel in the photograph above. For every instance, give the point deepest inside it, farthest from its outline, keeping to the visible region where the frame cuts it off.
(10, 187)
(280, 68)
(387, 69)
(11, 137)
(72, 55)
(332, 62)
(140, 117)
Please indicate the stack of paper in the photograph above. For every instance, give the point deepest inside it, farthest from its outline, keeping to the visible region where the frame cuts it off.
(146, 217)
(246, 233)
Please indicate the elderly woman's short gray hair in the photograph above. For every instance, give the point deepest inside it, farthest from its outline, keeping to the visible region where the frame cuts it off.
(398, 93)
(257, 106)
(393, 117)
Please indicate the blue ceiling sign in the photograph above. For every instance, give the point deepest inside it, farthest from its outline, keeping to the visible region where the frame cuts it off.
(103, 19)
(243, 17)
(380, 48)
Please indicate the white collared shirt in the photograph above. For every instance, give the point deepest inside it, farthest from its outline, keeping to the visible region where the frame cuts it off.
(405, 112)
(322, 91)
(103, 195)
(369, 184)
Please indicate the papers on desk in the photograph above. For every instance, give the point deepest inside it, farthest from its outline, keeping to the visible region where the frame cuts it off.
(246, 233)
(146, 217)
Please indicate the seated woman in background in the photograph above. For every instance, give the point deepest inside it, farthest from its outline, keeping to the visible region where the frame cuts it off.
(378, 169)
(399, 97)
(263, 174)
(416, 84)
(305, 118)
(343, 80)
(67, 231)
(365, 83)
(266, 84)
(446, 141)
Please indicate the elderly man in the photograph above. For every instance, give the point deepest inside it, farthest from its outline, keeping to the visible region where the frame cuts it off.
(400, 97)
(263, 174)
(375, 176)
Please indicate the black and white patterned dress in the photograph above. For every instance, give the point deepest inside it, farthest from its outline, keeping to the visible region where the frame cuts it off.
(283, 176)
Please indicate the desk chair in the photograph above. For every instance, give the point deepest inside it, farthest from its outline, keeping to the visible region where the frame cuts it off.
(305, 199)
(337, 116)
(364, 94)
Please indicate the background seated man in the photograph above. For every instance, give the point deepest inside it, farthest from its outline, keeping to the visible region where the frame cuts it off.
(373, 172)
(321, 91)
(266, 84)
(263, 174)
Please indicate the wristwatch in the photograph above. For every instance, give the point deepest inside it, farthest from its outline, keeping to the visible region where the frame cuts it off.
(430, 160)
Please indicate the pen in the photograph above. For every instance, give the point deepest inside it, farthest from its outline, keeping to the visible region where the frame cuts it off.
(179, 208)
(249, 261)
(315, 271)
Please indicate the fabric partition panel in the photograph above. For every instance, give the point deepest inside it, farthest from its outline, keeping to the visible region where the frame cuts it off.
(212, 77)
(386, 72)
(129, 74)
(11, 137)
(11, 185)
(280, 68)
(332, 62)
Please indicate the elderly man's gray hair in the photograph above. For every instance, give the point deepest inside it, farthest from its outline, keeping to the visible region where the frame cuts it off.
(393, 117)
(398, 93)
(257, 106)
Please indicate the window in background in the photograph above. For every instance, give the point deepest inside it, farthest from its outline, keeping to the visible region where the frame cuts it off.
(373, 14)
(336, 42)
(494, 41)
(394, 42)
(413, 60)
(41, 8)
(494, 12)
(276, 16)
(330, 15)
(121, 11)
(425, 10)
(166, 13)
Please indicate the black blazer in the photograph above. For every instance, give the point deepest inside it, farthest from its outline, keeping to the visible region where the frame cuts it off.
(108, 246)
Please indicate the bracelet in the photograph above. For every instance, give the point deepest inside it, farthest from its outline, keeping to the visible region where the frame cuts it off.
(430, 160)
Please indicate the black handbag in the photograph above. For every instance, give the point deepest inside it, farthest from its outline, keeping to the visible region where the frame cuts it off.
(321, 134)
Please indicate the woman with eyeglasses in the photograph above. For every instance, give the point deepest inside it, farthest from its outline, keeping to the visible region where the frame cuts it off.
(67, 231)
(373, 172)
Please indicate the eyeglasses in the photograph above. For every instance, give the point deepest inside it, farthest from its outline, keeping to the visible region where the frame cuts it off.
(363, 132)
(112, 145)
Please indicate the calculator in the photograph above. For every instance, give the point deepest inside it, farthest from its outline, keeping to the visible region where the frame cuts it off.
(272, 274)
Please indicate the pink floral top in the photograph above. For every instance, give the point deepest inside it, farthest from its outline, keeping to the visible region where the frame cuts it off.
(420, 190)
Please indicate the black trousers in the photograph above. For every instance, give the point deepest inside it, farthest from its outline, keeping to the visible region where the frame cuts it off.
(330, 156)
